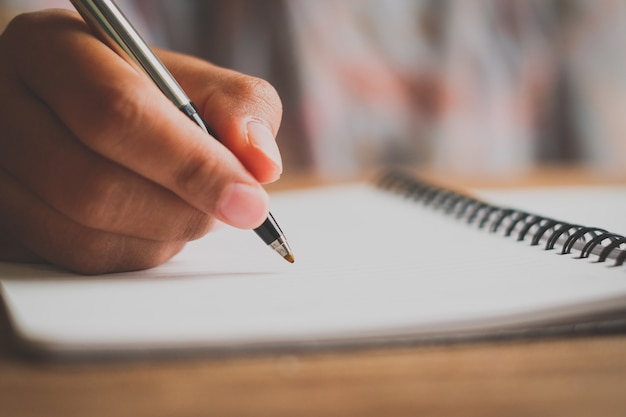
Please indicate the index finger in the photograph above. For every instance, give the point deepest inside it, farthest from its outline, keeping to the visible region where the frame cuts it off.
(245, 112)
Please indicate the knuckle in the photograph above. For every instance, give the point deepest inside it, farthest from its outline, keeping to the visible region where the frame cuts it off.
(121, 114)
(19, 31)
(18, 26)
(21, 25)
(196, 226)
(255, 92)
(266, 92)
(38, 26)
(259, 87)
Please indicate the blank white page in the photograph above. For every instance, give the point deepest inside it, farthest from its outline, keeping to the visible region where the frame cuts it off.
(369, 266)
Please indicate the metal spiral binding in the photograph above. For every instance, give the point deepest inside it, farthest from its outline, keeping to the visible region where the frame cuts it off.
(509, 221)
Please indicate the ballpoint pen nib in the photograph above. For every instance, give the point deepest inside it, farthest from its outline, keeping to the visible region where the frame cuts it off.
(289, 257)
(285, 252)
(283, 249)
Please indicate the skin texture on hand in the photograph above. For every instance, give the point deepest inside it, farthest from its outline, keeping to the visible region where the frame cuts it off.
(100, 172)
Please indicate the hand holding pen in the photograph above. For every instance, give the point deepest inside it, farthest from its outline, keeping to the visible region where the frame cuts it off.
(100, 172)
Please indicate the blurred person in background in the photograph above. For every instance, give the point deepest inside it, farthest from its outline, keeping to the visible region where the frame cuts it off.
(475, 86)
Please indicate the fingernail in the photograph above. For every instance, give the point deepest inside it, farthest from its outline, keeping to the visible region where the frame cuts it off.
(243, 205)
(262, 138)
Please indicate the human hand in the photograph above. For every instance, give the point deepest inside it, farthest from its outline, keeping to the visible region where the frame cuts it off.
(99, 171)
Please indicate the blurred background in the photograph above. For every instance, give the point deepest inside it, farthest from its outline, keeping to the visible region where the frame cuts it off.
(472, 87)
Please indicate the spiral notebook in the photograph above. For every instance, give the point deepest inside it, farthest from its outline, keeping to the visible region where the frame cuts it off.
(395, 261)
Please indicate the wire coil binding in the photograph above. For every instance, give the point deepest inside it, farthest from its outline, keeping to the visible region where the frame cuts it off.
(508, 221)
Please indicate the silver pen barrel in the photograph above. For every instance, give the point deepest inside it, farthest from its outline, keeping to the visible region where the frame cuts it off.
(108, 21)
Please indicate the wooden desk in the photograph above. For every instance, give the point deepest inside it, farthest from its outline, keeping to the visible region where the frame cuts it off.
(583, 376)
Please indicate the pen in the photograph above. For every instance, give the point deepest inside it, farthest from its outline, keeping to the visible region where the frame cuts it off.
(109, 22)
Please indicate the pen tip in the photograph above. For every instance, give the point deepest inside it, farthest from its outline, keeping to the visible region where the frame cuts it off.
(280, 245)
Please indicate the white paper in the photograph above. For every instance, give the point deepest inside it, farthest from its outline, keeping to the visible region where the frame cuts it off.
(369, 265)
